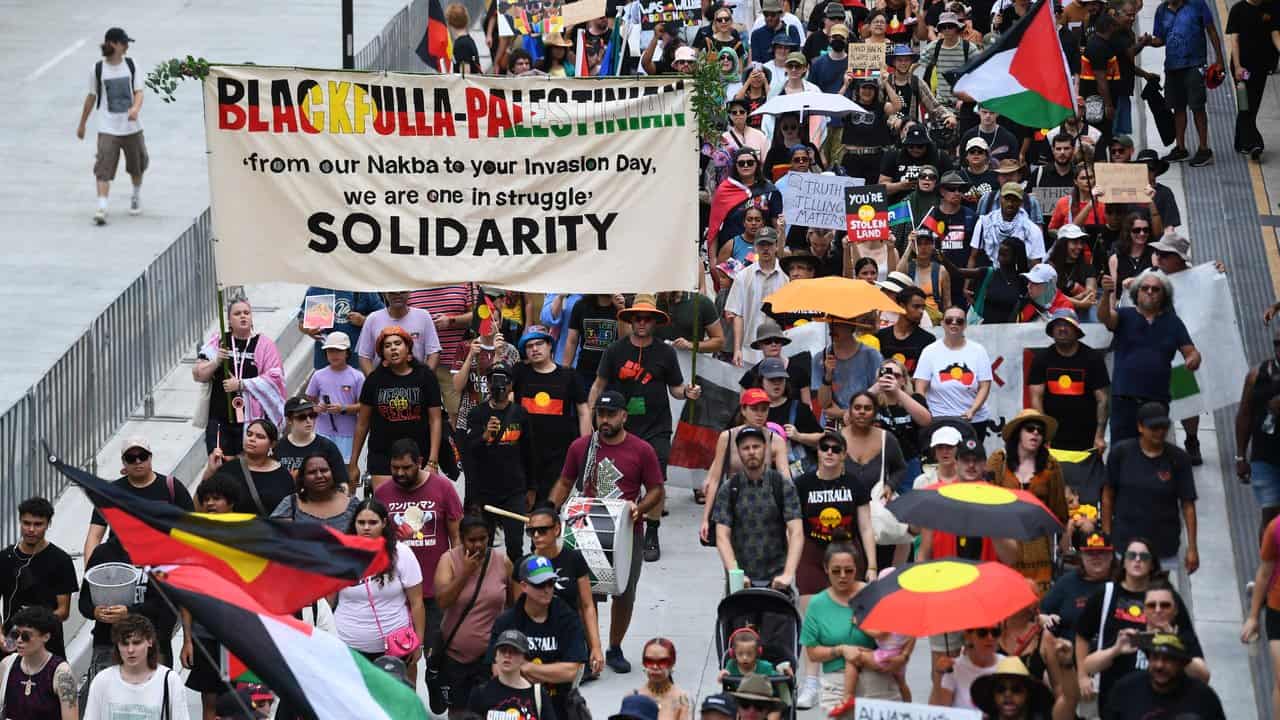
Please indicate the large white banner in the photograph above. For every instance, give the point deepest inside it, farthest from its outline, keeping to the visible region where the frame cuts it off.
(385, 181)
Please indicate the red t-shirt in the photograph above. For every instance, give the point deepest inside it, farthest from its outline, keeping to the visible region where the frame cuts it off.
(422, 518)
(1059, 302)
(628, 466)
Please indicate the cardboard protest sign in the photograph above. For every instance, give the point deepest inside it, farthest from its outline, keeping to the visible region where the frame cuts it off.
(1048, 197)
(380, 181)
(1121, 182)
(582, 11)
(867, 213)
(813, 200)
(318, 312)
(653, 12)
(867, 56)
(870, 709)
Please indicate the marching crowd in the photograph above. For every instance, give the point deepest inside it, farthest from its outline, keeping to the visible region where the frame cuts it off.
(534, 403)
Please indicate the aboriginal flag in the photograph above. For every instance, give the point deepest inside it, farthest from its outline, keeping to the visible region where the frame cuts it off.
(436, 47)
(1064, 381)
(282, 565)
(694, 445)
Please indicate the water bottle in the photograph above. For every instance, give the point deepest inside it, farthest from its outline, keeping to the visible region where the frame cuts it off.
(736, 578)
(1242, 94)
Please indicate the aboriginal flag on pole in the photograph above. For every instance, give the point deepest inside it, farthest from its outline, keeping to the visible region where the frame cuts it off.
(282, 565)
(436, 47)
(314, 671)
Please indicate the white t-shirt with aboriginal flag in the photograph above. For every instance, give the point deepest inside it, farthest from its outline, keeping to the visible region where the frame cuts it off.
(953, 376)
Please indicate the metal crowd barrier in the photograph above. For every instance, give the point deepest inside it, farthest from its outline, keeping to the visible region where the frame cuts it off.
(109, 371)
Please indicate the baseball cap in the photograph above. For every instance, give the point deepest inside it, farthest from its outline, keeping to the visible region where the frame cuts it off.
(948, 18)
(835, 11)
(722, 703)
(951, 177)
(1122, 140)
(1071, 231)
(772, 367)
(945, 435)
(513, 639)
(1010, 188)
(137, 441)
(976, 142)
(1175, 244)
(1042, 273)
(336, 340)
(750, 431)
(537, 570)
(753, 396)
(1096, 542)
(297, 404)
(1154, 415)
(968, 448)
(116, 34)
(611, 400)
(1167, 644)
(783, 38)
(916, 135)
(839, 28)
(797, 58)
(685, 54)
(766, 235)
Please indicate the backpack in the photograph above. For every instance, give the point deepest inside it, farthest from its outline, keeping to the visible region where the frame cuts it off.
(97, 76)
(798, 457)
(735, 488)
(937, 50)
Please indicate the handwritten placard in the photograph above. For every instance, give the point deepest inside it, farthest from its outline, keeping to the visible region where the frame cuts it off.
(1049, 196)
(812, 200)
(317, 313)
(869, 709)
(867, 56)
(653, 12)
(867, 213)
(582, 11)
(1121, 182)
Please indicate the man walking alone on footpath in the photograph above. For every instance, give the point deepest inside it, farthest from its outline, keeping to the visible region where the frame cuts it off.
(116, 81)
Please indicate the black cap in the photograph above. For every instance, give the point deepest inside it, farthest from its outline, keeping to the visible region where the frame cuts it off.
(971, 448)
(916, 135)
(500, 369)
(722, 703)
(1154, 415)
(611, 400)
(117, 35)
(297, 404)
(750, 431)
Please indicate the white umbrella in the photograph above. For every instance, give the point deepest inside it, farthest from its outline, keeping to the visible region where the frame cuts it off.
(810, 103)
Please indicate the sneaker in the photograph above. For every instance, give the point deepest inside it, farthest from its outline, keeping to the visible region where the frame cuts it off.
(100, 217)
(808, 696)
(589, 676)
(616, 662)
(1193, 449)
(652, 552)
(1256, 154)
(699, 497)
(135, 205)
(1176, 155)
(1203, 156)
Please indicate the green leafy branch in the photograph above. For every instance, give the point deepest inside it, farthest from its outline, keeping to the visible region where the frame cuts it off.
(708, 96)
(164, 78)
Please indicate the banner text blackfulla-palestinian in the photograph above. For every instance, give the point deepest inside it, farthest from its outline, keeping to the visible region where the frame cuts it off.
(343, 107)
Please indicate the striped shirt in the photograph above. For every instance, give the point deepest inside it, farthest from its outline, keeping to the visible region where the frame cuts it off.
(448, 300)
(949, 58)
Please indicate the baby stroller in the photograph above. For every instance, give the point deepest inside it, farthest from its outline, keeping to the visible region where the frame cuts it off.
(773, 615)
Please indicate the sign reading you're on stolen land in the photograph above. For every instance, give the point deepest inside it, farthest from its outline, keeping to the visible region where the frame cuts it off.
(373, 181)
(867, 213)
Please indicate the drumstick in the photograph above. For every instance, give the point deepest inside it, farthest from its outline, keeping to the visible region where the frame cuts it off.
(506, 513)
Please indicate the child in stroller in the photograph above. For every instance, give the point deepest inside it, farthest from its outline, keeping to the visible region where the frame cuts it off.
(744, 659)
(758, 631)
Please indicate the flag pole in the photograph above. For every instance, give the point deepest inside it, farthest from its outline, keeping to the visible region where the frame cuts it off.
(226, 364)
(158, 575)
(693, 361)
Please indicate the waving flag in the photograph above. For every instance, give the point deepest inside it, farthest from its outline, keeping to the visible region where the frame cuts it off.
(314, 671)
(581, 68)
(282, 565)
(436, 47)
(1024, 74)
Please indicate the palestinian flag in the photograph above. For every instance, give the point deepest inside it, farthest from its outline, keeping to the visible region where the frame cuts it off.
(282, 565)
(1024, 74)
(1182, 383)
(314, 671)
(436, 47)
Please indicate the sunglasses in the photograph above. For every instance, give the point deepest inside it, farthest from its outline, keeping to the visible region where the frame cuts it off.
(953, 188)
(657, 663)
(829, 447)
(976, 151)
(1014, 688)
(1151, 289)
(952, 321)
(771, 341)
(1138, 230)
(928, 177)
(1137, 555)
(724, 19)
(1033, 428)
(535, 531)
(994, 632)
(800, 160)
(746, 163)
(136, 457)
(1160, 605)
(305, 416)
(23, 635)
(754, 705)
(737, 112)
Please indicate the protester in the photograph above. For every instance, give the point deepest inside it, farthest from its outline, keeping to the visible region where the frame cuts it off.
(874, 459)
(755, 405)
(977, 171)
(1012, 692)
(1009, 170)
(934, 284)
(350, 309)
(978, 658)
(902, 412)
(245, 379)
(557, 644)
(770, 341)
(835, 505)
(1043, 296)
(720, 706)
(1064, 605)
(300, 440)
(1077, 278)
(1009, 221)
(49, 690)
(201, 652)
(116, 80)
(508, 692)
(1166, 687)
(137, 679)
(264, 482)
(745, 187)
(1133, 252)
(373, 612)
(1164, 206)
(400, 399)
(900, 170)
(750, 286)
(956, 224)
(1068, 381)
(866, 133)
(1001, 144)
(593, 327)
(335, 392)
(544, 531)
(955, 375)
(1256, 420)
(1146, 338)
(556, 404)
(1253, 54)
(1182, 36)
(557, 310)
(768, 548)
(416, 325)
(848, 367)
(473, 360)
(317, 496)
(670, 700)
(498, 459)
(472, 586)
(35, 573)
(1025, 464)
(683, 308)
(947, 53)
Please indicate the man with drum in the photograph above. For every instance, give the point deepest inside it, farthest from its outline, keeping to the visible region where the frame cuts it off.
(611, 464)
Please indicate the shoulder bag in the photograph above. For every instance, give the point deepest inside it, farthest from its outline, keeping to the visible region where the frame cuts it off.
(400, 643)
(253, 488)
(885, 525)
(437, 689)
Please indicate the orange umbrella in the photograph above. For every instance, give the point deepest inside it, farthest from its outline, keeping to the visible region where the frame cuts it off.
(837, 296)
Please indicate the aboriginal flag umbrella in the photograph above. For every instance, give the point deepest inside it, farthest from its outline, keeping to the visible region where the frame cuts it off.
(837, 296)
(941, 596)
(976, 509)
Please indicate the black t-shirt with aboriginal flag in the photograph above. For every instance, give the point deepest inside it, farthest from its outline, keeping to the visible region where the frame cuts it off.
(1069, 383)
(830, 505)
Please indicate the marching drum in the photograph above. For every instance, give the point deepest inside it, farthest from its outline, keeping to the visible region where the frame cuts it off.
(601, 529)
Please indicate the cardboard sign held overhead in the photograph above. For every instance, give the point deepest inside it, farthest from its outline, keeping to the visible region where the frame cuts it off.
(867, 213)
(582, 11)
(867, 56)
(1121, 182)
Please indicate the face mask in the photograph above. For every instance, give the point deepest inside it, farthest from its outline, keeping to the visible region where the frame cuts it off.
(839, 44)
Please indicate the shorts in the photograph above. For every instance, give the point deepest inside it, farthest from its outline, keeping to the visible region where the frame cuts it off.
(1265, 481)
(1184, 88)
(637, 562)
(1122, 123)
(108, 157)
(1271, 624)
(378, 464)
(205, 676)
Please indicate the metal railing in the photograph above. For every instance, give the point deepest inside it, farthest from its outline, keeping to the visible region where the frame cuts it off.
(395, 48)
(109, 371)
